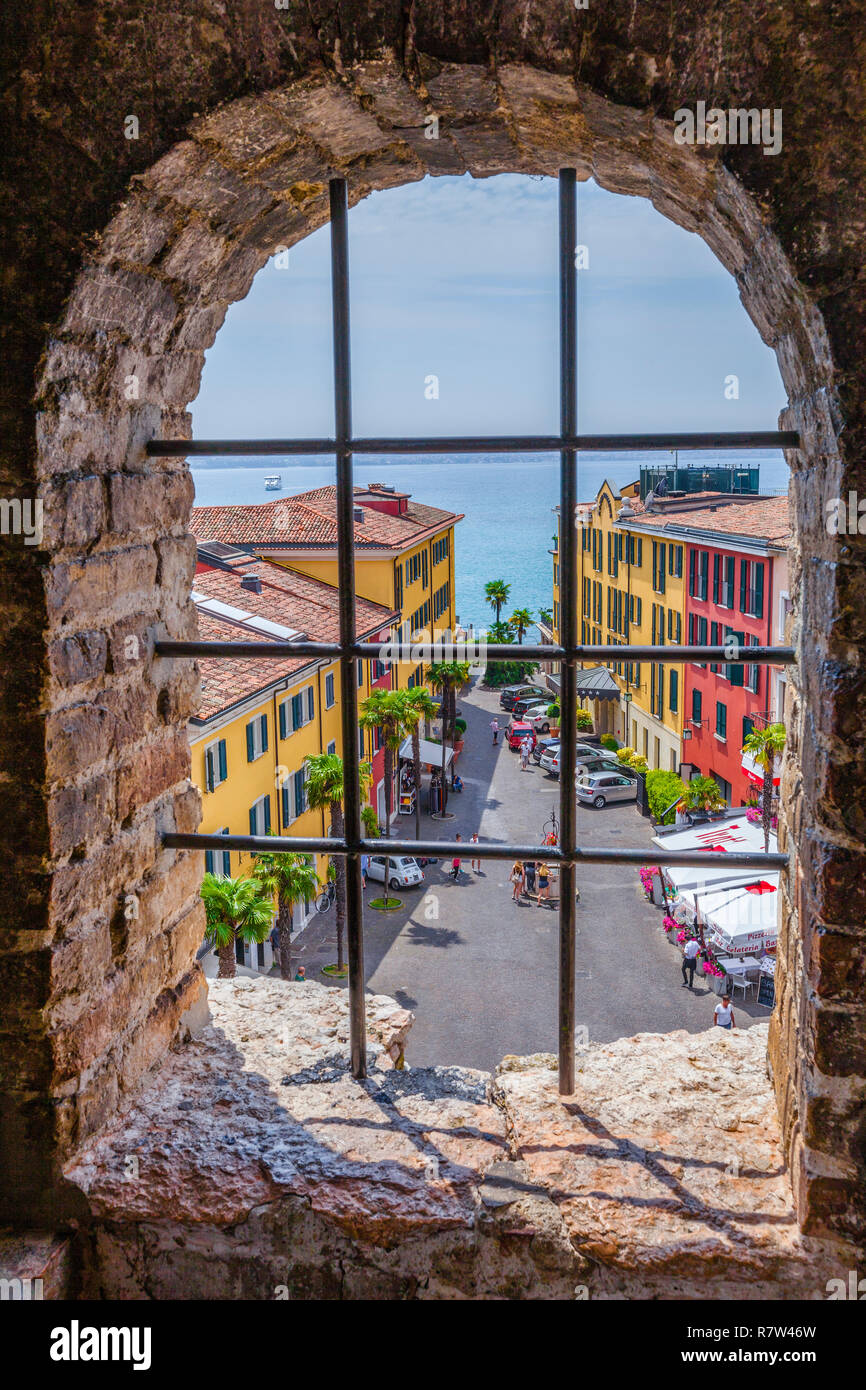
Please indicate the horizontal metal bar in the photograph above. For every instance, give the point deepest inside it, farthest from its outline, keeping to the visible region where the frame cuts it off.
(479, 444)
(439, 651)
(278, 844)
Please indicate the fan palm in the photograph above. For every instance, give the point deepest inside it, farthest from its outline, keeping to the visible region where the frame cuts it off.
(519, 621)
(287, 879)
(235, 909)
(421, 709)
(496, 593)
(499, 632)
(326, 791)
(447, 676)
(388, 711)
(765, 746)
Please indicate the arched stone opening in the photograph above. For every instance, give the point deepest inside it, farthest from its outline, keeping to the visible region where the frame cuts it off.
(108, 967)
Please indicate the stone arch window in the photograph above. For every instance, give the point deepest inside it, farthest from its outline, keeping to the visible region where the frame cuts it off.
(105, 974)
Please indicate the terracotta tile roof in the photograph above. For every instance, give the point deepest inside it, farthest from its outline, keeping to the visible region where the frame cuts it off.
(763, 518)
(310, 519)
(292, 600)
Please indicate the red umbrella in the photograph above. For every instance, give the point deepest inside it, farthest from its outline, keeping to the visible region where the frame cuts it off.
(760, 887)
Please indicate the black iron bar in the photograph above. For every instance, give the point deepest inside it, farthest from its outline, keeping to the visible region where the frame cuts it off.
(568, 621)
(446, 849)
(748, 656)
(479, 444)
(346, 580)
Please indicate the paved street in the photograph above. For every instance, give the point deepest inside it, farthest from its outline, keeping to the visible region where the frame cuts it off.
(479, 971)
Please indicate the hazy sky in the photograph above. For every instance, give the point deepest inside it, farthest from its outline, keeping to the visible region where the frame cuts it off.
(456, 277)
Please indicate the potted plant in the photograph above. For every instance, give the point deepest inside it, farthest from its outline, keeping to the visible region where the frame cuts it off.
(553, 716)
(459, 732)
(702, 797)
(584, 721)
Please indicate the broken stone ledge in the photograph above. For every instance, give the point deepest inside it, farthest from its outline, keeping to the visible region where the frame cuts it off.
(255, 1167)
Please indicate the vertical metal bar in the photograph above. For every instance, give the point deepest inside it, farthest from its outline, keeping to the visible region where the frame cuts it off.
(346, 579)
(568, 618)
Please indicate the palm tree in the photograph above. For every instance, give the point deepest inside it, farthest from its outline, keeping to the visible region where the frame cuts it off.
(496, 593)
(387, 710)
(765, 746)
(287, 879)
(519, 621)
(326, 791)
(499, 632)
(421, 708)
(703, 794)
(235, 908)
(447, 676)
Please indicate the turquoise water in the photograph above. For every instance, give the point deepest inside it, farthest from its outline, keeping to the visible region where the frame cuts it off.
(508, 504)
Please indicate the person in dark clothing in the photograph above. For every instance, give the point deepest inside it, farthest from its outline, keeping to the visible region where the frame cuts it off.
(691, 951)
(529, 876)
(455, 864)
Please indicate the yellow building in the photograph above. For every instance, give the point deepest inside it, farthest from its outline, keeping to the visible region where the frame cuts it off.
(631, 590)
(404, 552)
(259, 721)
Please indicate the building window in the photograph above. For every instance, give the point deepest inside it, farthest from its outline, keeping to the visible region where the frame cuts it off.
(721, 721)
(748, 726)
(673, 690)
(257, 737)
(699, 572)
(752, 588)
(329, 690)
(332, 747)
(659, 549)
(218, 861)
(260, 815)
(723, 786)
(675, 561)
(215, 764)
(696, 707)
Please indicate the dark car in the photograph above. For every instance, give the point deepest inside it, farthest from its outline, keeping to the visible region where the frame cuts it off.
(542, 745)
(526, 702)
(514, 692)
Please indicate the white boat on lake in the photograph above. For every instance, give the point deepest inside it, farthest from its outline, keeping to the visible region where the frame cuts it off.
(273, 482)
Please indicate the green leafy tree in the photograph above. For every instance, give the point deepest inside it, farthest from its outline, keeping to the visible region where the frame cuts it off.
(499, 632)
(519, 621)
(288, 879)
(545, 616)
(389, 711)
(421, 709)
(703, 794)
(235, 909)
(326, 791)
(765, 746)
(664, 790)
(447, 677)
(371, 822)
(496, 593)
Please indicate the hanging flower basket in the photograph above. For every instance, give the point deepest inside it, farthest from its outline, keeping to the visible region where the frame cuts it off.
(647, 874)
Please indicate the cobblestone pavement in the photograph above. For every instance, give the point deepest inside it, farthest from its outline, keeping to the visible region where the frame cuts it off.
(479, 971)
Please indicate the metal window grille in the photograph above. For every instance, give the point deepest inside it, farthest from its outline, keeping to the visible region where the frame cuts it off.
(569, 652)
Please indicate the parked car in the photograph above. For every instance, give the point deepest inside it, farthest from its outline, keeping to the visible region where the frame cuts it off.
(538, 717)
(525, 702)
(514, 692)
(598, 788)
(403, 872)
(516, 733)
(546, 744)
(550, 762)
(587, 765)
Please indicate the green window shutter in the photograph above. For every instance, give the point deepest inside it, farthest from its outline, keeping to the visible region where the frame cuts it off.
(264, 719)
(283, 723)
(266, 803)
(208, 769)
(311, 702)
(208, 861)
(759, 591)
(287, 814)
(717, 559)
(251, 747)
(223, 763)
(736, 674)
(673, 691)
(253, 821)
(744, 577)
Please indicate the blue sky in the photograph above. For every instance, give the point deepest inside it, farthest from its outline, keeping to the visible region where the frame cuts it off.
(456, 277)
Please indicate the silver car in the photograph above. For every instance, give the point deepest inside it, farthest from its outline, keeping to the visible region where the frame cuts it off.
(403, 872)
(598, 788)
(550, 761)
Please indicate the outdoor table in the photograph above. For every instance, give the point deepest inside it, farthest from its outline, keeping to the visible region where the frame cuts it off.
(734, 966)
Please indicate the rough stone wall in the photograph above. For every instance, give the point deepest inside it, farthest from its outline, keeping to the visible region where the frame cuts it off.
(123, 258)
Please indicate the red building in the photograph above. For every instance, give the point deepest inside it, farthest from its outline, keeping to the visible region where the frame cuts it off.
(731, 595)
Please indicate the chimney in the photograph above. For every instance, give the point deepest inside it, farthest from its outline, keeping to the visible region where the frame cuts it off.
(252, 583)
(359, 513)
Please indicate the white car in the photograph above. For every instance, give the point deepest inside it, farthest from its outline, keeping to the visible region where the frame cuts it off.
(403, 872)
(550, 761)
(538, 717)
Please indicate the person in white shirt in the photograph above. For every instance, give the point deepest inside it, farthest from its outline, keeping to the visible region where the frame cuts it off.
(524, 754)
(723, 1014)
(691, 951)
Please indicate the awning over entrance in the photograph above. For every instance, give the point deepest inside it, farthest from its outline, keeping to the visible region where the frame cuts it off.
(430, 752)
(597, 684)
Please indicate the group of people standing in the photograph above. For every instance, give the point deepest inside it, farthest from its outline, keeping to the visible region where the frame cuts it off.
(723, 1014)
(523, 879)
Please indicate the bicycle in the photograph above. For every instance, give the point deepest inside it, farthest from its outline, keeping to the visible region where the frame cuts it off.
(326, 898)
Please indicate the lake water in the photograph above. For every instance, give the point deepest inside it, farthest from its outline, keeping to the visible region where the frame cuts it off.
(508, 503)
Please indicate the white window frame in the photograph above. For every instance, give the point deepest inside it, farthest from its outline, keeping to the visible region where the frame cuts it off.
(256, 722)
(332, 677)
(213, 748)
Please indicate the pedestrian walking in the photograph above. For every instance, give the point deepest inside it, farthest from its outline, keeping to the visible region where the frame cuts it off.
(494, 724)
(455, 864)
(524, 754)
(543, 884)
(691, 951)
(476, 863)
(529, 876)
(365, 864)
(723, 1014)
(515, 878)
